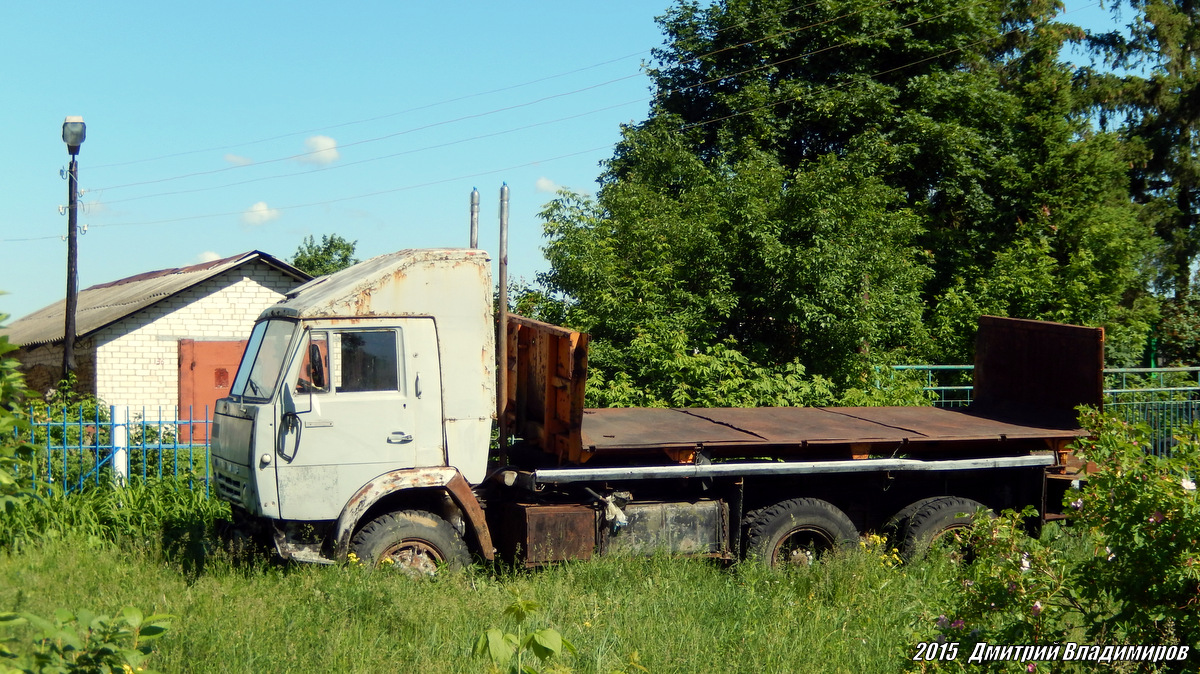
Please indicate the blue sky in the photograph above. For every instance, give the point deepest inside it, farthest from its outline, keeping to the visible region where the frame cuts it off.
(221, 127)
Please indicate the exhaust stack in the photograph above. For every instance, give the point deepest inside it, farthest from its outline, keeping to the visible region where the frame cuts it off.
(502, 393)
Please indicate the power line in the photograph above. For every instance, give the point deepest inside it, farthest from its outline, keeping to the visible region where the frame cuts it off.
(471, 116)
(360, 196)
(377, 118)
(383, 157)
(426, 106)
(532, 163)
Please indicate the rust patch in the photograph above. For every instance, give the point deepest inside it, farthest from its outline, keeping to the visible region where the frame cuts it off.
(414, 478)
(461, 492)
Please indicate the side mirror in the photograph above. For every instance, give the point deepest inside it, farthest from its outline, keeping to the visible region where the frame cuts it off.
(316, 366)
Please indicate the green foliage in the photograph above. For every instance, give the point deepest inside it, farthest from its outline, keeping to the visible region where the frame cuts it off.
(505, 649)
(771, 274)
(331, 255)
(1145, 511)
(1177, 337)
(68, 418)
(83, 642)
(1154, 102)
(1127, 573)
(834, 186)
(15, 455)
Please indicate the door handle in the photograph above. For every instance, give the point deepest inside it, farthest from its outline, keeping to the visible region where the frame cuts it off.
(399, 438)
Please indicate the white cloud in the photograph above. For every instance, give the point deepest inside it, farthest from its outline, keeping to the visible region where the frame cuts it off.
(546, 185)
(238, 160)
(320, 150)
(207, 256)
(259, 214)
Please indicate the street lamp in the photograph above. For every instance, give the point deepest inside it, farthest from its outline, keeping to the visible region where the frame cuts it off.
(73, 133)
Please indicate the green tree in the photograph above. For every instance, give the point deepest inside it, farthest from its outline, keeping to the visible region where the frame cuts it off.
(1150, 83)
(848, 182)
(331, 255)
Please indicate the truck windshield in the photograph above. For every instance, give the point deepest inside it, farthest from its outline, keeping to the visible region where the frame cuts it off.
(263, 360)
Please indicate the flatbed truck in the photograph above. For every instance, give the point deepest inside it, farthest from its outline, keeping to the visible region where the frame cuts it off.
(361, 420)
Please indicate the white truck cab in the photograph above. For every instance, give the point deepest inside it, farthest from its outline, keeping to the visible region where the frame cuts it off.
(383, 372)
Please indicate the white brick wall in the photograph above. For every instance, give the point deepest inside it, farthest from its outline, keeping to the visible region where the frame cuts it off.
(137, 359)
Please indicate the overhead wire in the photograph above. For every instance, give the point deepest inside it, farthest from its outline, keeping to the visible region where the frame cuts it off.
(426, 106)
(474, 115)
(392, 190)
(567, 155)
(393, 155)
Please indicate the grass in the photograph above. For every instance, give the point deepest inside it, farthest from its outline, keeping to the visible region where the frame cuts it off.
(153, 546)
(852, 613)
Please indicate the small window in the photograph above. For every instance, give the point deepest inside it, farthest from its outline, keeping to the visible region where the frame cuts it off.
(314, 365)
(368, 361)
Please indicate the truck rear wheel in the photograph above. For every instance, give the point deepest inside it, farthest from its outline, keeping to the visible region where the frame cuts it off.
(797, 531)
(414, 541)
(897, 526)
(941, 521)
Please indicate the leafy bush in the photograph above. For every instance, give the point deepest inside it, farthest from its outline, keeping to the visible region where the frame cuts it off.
(1144, 510)
(1136, 583)
(84, 418)
(15, 455)
(83, 642)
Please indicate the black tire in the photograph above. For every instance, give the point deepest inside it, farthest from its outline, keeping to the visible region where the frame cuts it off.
(796, 531)
(415, 541)
(937, 521)
(897, 526)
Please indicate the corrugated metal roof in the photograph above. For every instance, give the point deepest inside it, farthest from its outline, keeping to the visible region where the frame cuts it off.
(107, 303)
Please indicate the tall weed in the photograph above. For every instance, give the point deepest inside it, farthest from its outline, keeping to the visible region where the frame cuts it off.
(154, 510)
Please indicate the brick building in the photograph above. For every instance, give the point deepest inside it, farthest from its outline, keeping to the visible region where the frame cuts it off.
(165, 338)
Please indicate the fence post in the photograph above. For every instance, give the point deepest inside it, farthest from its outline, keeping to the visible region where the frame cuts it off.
(120, 440)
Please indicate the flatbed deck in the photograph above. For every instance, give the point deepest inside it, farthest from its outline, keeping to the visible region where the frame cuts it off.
(616, 429)
(792, 430)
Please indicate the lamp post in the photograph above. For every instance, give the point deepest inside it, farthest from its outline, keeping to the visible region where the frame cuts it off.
(73, 133)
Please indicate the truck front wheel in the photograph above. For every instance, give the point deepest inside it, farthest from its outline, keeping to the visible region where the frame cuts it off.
(414, 541)
(797, 531)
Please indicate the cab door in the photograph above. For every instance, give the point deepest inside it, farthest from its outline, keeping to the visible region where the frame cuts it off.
(361, 399)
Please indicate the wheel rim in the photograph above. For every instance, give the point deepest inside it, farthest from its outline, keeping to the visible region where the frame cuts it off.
(412, 556)
(954, 543)
(801, 546)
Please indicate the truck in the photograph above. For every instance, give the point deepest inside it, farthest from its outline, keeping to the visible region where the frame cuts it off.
(362, 421)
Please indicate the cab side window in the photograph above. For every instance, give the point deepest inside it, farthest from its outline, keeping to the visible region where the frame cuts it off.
(368, 361)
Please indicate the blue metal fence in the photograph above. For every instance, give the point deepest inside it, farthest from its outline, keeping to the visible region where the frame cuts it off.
(78, 445)
(1166, 399)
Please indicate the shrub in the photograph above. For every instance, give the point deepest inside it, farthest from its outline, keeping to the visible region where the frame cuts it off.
(1133, 579)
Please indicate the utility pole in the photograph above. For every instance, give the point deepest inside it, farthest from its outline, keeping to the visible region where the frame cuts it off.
(74, 131)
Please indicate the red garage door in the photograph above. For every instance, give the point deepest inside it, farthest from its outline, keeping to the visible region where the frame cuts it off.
(206, 370)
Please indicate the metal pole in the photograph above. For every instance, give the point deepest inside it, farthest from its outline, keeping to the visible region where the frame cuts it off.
(502, 398)
(474, 217)
(72, 268)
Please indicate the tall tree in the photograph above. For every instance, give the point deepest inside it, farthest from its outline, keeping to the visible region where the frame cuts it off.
(331, 255)
(1155, 92)
(847, 180)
